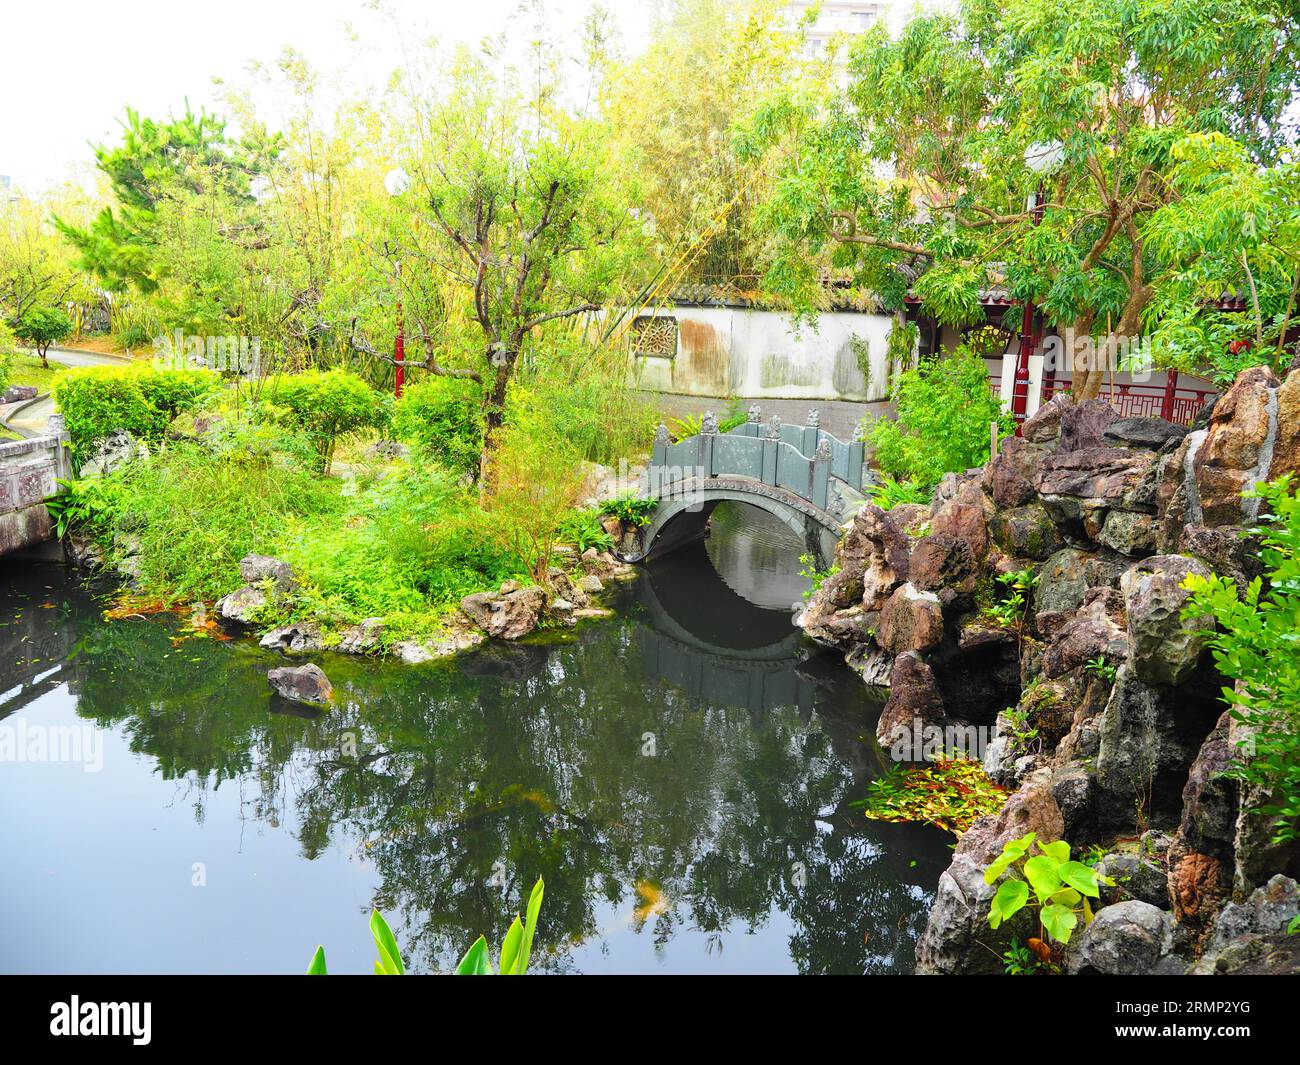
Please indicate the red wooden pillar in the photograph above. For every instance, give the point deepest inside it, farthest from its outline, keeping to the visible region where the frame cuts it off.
(1167, 401)
(399, 354)
(1020, 388)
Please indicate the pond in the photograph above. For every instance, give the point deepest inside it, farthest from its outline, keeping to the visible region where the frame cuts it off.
(682, 776)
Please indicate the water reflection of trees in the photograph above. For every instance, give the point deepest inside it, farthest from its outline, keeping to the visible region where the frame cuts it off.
(528, 760)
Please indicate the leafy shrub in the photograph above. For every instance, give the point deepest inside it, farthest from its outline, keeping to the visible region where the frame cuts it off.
(171, 391)
(891, 493)
(583, 529)
(442, 418)
(90, 504)
(326, 405)
(815, 577)
(950, 793)
(405, 550)
(631, 509)
(135, 335)
(686, 426)
(96, 401)
(944, 411)
(1258, 647)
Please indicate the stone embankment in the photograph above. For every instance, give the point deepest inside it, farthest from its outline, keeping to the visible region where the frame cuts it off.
(1102, 703)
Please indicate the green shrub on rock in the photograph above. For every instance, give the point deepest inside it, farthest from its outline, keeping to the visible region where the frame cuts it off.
(1257, 645)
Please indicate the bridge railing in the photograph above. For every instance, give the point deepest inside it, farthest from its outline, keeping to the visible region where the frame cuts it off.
(771, 454)
(846, 458)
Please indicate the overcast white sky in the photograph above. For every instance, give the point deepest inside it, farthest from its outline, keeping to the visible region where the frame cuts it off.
(68, 68)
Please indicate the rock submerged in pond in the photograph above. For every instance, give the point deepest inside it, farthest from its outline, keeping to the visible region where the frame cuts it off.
(301, 684)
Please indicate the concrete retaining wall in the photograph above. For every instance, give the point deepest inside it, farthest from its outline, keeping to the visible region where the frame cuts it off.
(29, 471)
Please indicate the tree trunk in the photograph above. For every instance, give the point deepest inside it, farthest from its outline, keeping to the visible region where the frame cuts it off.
(1086, 373)
(494, 416)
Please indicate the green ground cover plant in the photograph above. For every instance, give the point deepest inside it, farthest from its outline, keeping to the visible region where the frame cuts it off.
(1257, 645)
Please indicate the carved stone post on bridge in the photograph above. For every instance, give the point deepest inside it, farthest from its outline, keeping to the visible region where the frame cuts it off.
(811, 432)
(656, 475)
(708, 434)
(819, 493)
(771, 445)
(755, 414)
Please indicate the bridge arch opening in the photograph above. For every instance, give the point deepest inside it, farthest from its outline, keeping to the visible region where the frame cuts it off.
(686, 518)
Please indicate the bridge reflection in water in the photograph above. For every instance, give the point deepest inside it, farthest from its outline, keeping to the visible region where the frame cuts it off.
(717, 645)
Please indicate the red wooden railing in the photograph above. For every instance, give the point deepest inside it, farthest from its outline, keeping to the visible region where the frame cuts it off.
(1147, 401)
(1137, 401)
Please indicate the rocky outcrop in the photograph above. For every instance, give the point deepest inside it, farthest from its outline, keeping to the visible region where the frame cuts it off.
(957, 939)
(1250, 937)
(1164, 648)
(508, 614)
(912, 620)
(301, 684)
(1106, 710)
(243, 605)
(112, 453)
(1127, 939)
(268, 573)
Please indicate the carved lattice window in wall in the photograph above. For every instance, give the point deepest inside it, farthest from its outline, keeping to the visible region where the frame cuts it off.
(654, 336)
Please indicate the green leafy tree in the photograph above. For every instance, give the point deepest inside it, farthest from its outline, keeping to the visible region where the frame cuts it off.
(155, 163)
(37, 267)
(326, 405)
(671, 109)
(916, 173)
(42, 327)
(515, 203)
(1232, 226)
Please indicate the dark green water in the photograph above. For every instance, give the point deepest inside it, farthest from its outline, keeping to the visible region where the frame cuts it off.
(680, 775)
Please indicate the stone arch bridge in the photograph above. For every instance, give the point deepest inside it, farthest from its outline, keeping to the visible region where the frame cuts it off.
(801, 474)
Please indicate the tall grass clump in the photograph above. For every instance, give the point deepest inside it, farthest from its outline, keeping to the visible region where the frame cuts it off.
(184, 518)
(407, 550)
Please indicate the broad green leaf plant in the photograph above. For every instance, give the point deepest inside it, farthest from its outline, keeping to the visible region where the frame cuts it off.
(1048, 880)
(515, 949)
